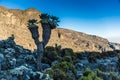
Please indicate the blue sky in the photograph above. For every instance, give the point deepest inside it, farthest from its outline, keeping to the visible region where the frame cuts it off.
(97, 17)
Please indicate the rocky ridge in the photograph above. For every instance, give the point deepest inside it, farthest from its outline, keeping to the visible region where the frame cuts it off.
(14, 21)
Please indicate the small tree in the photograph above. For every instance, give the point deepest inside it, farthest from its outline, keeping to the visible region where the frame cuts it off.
(48, 23)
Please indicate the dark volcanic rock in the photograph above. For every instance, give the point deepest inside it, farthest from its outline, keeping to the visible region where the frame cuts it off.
(17, 63)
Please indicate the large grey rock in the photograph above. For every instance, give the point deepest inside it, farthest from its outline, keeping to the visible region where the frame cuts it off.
(108, 64)
(79, 67)
(69, 72)
(13, 63)
(79, 74)
(17, 63)
(1, 58)
(45, 66)
(19, 70)
(40, 76)
(84, 61)
(2, 44)
(48, 69)
(10, 51)
(54, 63)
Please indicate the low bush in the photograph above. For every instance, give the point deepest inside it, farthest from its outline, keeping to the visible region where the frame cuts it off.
(89, 75)
(58, 74)
(65, 66)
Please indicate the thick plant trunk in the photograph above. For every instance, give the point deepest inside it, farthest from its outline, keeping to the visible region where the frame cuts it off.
(39, 55)
(46, 33)
(35, 36)
(40, 45)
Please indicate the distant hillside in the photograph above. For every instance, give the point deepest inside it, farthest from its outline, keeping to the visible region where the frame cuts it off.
(14, 21)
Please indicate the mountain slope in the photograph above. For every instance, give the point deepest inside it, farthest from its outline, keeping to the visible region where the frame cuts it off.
(14, 21)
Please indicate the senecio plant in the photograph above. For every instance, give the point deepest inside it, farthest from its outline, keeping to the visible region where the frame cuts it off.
(48, 23)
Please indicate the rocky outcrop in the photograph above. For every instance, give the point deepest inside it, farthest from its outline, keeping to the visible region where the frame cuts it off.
(17, 63)
(14, 21)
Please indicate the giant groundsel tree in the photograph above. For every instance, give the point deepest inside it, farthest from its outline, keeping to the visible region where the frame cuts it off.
(48, 23)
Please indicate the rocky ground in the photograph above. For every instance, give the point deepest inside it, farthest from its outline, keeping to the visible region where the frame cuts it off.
(17, 63)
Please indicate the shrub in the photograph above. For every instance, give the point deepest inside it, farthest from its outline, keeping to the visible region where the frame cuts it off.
(92, 56)
(91, 59)
(89, 75)
(67, 52)
(99, 73)
(79, 55)
(88, 72)
(108, 76)
(67, 58)
(46, 60)
(65, 66)
(58, 74)
(114, 76)
(51, 73)
(117, 51)
(50, 53)
(58, 49)
(49, 48)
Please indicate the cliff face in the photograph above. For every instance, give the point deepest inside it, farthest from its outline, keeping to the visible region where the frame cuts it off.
(14, 21)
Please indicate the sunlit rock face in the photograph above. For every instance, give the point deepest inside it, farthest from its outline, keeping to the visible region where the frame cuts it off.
(14, 21)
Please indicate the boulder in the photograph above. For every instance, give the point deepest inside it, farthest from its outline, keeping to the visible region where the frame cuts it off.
(1, 58)
(45, 66)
